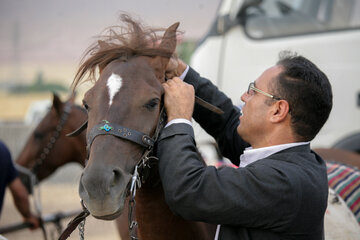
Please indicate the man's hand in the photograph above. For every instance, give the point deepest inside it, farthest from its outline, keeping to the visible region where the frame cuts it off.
(175, 68)
(33, 220)
(179, 99)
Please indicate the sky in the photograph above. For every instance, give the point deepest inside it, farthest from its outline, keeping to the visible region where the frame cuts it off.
(48, 33)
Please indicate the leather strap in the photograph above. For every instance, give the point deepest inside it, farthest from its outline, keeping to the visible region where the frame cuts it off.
(119, 131)
(73, 224)
(208, 106)
(79, 130)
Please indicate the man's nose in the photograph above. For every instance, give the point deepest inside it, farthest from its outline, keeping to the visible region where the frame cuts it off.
(244, 97)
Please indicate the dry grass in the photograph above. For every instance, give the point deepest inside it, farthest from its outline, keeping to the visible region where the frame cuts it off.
(13, 107)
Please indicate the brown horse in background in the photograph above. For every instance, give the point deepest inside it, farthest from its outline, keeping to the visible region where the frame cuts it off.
(48, 148)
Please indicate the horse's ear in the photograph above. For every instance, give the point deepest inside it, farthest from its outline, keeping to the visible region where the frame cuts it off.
(168, 43)
(57, 103)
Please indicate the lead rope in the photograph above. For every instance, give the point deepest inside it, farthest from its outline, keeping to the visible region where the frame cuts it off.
(78, 220)
(135, 182)
(81, 225)
(81, 228)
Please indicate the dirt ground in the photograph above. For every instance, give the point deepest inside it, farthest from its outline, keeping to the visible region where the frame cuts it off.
(57, 196)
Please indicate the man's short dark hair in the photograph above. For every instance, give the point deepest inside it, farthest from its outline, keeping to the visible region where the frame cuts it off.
(307, 90)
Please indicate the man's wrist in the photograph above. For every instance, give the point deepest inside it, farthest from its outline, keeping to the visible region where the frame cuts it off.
(181, 67)
(178, 120)
(183, 74)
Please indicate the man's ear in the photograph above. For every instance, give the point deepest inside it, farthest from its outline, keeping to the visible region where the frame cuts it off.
(280, 110)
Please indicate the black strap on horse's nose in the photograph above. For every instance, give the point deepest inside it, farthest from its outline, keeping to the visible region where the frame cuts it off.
(116, 130)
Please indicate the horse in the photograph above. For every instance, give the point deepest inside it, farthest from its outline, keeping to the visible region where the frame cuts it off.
(126, 101)
(48, 148)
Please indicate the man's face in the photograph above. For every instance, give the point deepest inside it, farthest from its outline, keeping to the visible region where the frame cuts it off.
(254, 124)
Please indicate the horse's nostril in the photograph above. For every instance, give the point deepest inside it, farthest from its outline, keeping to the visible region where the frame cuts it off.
(117, 173)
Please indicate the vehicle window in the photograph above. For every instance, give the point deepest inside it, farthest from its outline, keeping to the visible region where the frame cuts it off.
(277, 18)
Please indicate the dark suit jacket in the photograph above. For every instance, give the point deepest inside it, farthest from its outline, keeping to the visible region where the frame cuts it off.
(283, 196)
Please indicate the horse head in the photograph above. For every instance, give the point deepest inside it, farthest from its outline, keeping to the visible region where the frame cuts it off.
(123, 112)
(47, 147)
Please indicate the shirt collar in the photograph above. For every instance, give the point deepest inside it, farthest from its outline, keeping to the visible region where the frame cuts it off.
(251, 155)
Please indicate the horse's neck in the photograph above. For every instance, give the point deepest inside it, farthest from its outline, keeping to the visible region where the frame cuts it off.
(156, 221)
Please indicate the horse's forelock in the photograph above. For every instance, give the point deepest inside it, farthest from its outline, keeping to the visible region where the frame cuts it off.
(120, 42)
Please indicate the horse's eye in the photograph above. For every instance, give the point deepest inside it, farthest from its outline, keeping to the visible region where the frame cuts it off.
(150, 105)
(85, 105)
(38, 135)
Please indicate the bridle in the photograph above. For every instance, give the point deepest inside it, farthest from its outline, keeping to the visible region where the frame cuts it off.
(142, 139)
(55, 136)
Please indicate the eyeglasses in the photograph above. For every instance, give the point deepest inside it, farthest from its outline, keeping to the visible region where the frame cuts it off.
(252, 88)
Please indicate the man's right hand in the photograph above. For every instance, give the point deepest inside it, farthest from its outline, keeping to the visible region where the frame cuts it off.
(179, 99)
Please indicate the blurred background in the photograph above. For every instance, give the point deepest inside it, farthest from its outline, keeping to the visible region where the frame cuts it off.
(41, 45)
(42, 41)
(228, 41)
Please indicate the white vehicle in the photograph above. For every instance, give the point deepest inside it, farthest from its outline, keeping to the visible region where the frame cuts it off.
(247, 36)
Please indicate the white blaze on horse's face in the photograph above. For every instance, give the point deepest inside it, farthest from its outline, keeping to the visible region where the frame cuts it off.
(114, 84)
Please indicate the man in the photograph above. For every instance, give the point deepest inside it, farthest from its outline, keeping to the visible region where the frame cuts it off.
(280, 189)
(9, 177)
